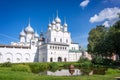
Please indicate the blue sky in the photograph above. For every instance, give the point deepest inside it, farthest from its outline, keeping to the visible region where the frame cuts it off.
(81, 16)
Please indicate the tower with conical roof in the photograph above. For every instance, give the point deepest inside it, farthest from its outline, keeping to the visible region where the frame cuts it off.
(65, 26)
(36, 36)
(22, 36)
(29, 32)
(58, 22)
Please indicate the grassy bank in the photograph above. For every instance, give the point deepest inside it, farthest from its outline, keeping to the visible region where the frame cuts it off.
(7, 74)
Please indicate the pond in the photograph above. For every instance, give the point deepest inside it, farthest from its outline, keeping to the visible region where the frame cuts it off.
(76, 72)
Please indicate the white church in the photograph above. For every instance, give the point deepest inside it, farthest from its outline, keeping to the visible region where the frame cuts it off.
(53, 46)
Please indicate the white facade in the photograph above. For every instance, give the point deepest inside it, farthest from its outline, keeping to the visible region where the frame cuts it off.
(55, 46)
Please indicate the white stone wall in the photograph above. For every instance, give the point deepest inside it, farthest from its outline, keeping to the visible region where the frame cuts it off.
(74, 56)
(58, 36)
(17, 55)
(43, 53)
(57, 51)
(74, 46)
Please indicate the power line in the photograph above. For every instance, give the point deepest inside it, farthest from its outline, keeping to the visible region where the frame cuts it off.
(9, 37)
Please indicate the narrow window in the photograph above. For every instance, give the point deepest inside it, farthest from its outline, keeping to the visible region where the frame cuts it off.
(65, 59)
(65, 48)
(51, 59)
(55, 39)
(50, 47)
(66, 40)
(55, 47)
(60, 40)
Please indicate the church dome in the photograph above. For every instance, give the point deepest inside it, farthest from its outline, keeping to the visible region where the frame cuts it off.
(41, 37)
(22, 33)
(49, 25)
(57, 20)
(53, 22)
(65, 25)
(36, 34)
(29, 29)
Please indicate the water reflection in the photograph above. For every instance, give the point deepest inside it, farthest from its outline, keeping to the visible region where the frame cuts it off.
(76, 72)
(63, 72)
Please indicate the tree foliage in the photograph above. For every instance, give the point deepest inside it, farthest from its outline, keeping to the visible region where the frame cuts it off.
(104, 41)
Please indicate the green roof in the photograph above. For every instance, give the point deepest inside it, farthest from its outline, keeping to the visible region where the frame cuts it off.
(76, 51)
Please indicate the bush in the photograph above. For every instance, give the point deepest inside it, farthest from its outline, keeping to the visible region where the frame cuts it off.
(97, 60)
(87, 64)
(6, 64)
(66, 65)
(54, 66)
(112, 71)
(82, 60)
(38, 67)
(107, 61)
(20, 67)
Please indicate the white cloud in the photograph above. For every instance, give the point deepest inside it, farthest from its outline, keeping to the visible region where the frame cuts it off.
(106, 24)
(84, 3)
(107, 15)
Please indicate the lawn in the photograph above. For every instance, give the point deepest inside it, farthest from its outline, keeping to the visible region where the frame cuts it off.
(7, 74)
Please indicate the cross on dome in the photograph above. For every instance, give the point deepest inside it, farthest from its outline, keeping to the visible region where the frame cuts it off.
(57, 20)
(49, 25)
(65, 24)
(29, 29)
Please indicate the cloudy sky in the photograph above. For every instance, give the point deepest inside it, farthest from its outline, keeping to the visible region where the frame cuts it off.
(81, 16)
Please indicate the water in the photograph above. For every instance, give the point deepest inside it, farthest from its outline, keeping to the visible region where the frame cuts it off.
(76, 72)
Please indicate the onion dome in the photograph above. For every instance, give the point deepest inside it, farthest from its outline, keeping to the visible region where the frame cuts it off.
(22, 33)
(65, 24)
(29, 29)
(53, 22)
(57, 20)
(36, 35)
(41, 37)
(49, 25)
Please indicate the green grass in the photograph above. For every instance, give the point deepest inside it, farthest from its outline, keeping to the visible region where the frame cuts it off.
(7, 74)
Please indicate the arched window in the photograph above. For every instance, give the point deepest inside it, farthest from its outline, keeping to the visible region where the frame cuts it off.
(50, 47)
(59, 59)
(43, 60)
(8, 59)
(54, 39)
(55, 47)
(66, 40)
(65, 48)
(60, 40)
(51, 59)
(65, 59)
(27, 57)
(18, 59)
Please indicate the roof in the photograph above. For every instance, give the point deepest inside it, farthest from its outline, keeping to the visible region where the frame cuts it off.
(76, 51)
(13, 46)
(62, 44)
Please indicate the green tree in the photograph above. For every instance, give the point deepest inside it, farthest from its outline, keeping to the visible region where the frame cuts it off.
(104, 41)
(95, 39)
